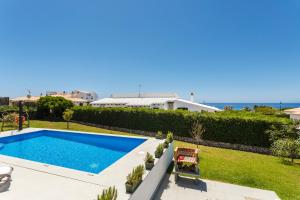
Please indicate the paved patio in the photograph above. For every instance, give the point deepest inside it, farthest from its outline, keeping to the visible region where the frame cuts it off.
(209, 190)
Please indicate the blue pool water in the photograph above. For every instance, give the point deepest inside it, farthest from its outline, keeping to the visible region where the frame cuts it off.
(85, 152)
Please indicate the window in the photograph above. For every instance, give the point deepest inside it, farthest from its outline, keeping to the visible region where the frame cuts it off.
(182, 108)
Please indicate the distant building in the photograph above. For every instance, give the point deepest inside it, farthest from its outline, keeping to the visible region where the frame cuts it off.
(166, 101)
(294, 113)
(28, 100)
(79, 98)
(88, 96)
(4, 101)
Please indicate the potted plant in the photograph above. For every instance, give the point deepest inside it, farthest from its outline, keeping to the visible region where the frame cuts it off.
(109, 194)
(149, 161)
(159, 151)
(166, 143)
(134, 178)
(159, 135)
(170, 136)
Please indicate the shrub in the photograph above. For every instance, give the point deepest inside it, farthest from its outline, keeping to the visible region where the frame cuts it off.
(287, 148)
(8, 120)
(237, 127)
(110, 194)
(266, 110)
(159, 151)
(159, 135)
(52, 107)
(288, 131)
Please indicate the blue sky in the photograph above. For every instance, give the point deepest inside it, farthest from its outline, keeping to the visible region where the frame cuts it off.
(224, 51)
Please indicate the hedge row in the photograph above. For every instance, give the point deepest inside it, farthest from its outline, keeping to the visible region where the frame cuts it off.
(230, 127)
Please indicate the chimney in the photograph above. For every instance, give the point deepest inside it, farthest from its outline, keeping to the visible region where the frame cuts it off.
(192, 97)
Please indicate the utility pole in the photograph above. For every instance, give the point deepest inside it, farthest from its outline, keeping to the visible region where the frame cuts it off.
(140, 90)
(20, 115)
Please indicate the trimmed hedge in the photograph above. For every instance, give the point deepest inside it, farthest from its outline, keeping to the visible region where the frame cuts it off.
(231, 126)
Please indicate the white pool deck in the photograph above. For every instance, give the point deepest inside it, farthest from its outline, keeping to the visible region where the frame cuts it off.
(186, 189)
(35, 181)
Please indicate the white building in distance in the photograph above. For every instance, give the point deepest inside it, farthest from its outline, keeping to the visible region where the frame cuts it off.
(166, 101)
(294, 113)
(88, 96)
(78, 94)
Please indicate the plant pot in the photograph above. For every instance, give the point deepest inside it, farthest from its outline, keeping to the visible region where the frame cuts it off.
(166, 145)
(149, 166)
(158, 155)
(131, 188)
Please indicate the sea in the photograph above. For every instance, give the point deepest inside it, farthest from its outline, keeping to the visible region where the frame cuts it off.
(240, 106)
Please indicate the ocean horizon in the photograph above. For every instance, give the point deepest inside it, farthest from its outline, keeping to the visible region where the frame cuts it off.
(240, 106)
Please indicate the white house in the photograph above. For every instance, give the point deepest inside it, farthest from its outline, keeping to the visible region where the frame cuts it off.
(294, 113)
(166, 101)
(88, 96)
(75, 94)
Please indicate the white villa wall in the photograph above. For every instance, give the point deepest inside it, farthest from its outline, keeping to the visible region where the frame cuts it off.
(191, 106)
(295, 117)
(88, 96)
(151, 182)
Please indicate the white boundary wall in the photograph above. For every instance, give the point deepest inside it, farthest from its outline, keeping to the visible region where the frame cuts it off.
(152, 181)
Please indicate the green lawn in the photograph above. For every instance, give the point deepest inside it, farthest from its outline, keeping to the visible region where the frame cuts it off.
(242, 168)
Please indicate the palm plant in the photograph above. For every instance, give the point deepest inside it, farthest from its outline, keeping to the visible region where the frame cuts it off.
(109, 194)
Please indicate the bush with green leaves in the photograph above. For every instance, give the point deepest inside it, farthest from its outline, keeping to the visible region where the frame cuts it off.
(8, 120)
(237, 127)
(109, 194)
(159, 151)
(159, 135)
(52, 107)
(287, 131)
(287, 148)
(266, 110)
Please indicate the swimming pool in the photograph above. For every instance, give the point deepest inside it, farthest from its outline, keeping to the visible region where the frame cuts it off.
(85, 152)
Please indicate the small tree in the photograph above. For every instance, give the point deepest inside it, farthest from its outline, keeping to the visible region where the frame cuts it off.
(67, 115)
(110, 194)
(228, 108)
(197, 131)
(52, 107)
(287, 148)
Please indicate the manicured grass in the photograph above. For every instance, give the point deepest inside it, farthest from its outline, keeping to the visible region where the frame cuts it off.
(249, 169)
(242, 168)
